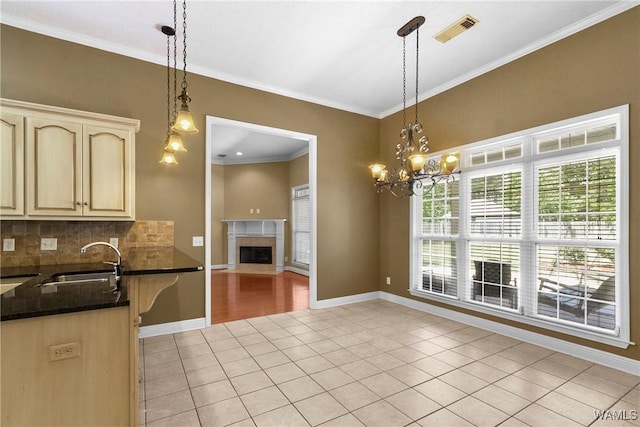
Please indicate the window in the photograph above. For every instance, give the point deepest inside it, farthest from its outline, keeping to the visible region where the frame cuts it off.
(301, 225)
(534, 230)
(440, 221)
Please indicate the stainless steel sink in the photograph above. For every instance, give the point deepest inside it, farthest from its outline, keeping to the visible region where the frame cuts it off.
(79, 278)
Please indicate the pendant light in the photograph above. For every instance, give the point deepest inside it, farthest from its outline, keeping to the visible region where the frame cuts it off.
(184, 120)
(173, 141)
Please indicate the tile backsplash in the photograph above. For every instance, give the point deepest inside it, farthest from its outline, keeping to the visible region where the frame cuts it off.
(72, 235)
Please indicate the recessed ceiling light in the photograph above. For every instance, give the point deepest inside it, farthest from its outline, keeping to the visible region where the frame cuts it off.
(239, 153)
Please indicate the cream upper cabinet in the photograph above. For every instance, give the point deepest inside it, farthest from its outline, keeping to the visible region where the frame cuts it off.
(54, 167)
(11, 164)
(107, 171)
(78, 165)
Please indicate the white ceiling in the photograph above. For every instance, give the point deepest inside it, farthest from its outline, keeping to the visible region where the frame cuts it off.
(343, 54)
(256, 147)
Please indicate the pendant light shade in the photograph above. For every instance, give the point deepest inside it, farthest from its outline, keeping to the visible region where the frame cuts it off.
(184, 119)
(168, 158)
(174, 143)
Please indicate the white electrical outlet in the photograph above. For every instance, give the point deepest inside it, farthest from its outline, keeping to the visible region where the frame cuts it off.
(113, 241)
(64, 351)
(388, 280)
(250, 210)
(9, 245)
(258, 210)
(48, 244)
(198, 241)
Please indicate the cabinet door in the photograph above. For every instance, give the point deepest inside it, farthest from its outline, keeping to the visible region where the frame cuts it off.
(54, 167)
(107, 163)
(11, 164)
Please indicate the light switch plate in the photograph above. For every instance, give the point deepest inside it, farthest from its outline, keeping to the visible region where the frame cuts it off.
(198, 241)
(9, 245)
(113, 241)
(48, 244)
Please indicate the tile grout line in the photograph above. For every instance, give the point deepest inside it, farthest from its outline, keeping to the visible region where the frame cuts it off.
(360, 318)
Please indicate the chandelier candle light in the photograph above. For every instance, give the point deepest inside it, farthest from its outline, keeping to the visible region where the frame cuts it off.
(415, 166)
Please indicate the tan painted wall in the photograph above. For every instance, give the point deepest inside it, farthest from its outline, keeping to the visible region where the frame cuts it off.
(263, 186)
(595, 69)
(218, 228)
(41, 69)
(249, 187)
(299, 171)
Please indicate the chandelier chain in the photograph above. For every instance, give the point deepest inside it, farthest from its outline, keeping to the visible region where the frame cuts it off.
(415, 173)
(417, 55)
(404, 82)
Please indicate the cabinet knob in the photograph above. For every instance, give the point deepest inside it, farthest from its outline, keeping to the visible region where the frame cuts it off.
(86, 203)
(78, 203)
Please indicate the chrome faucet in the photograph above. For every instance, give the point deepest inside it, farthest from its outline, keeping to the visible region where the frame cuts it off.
(117, 266)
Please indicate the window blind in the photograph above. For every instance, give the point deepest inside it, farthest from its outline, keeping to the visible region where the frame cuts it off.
(301, 225)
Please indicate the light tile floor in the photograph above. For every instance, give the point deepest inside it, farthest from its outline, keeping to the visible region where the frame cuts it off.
(374, 364)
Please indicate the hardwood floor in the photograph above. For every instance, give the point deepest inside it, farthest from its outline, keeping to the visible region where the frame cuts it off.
(236, 296)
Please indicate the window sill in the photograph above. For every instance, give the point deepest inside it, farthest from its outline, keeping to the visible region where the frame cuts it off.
(603, 338)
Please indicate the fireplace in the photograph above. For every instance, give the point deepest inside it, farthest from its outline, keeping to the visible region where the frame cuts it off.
(255, 254)
(255, 245)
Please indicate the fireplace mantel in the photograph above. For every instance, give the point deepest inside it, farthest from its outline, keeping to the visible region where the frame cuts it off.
(255, 228)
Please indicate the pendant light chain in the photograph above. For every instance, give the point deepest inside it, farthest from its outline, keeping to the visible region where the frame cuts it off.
(168, 87)
(184, 44)
(175, 62)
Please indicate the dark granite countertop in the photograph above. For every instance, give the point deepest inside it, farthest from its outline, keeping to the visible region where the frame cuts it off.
(30, 299)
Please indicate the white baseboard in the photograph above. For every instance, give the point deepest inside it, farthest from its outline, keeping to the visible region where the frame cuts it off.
(334, 302)
(587, 353)
(172, 327)
(296, 270)
(219, 266)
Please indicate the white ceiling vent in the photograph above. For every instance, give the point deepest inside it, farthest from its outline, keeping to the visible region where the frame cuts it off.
(461, 25)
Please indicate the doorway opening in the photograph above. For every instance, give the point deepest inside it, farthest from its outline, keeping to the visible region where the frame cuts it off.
(242, 207)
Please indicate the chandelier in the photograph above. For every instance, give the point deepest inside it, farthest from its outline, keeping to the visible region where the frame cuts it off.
(182, 121)
(415, 167)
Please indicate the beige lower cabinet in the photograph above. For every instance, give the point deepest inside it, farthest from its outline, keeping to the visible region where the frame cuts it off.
(78, 165)
(77, 369)
(67, 370)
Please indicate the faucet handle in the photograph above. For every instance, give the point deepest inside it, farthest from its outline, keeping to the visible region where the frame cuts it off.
(110, 263)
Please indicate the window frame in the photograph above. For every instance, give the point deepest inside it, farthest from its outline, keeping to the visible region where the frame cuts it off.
(529, 161)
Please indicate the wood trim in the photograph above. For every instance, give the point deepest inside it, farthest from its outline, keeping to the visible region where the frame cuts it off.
(100, 119)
